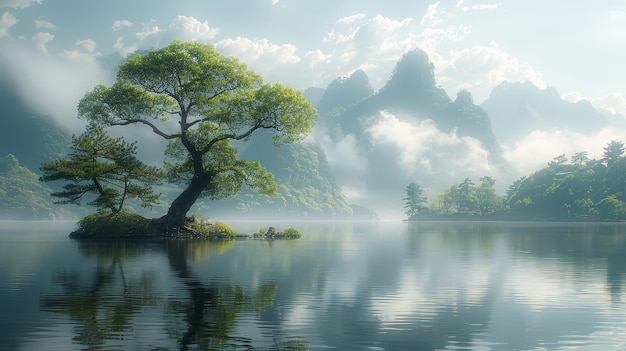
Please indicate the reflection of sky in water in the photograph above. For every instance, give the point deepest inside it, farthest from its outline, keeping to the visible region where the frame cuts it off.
(489, 290)
(350, 286)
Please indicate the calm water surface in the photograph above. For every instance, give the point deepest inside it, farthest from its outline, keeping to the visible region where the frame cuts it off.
(345, 286)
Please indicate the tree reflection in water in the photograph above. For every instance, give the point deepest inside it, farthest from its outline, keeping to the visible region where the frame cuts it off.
(105, 304)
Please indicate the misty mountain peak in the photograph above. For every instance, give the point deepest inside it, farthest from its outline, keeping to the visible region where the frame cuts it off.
(464, 98)
(412, 86)
(414, 73)
(345, 91)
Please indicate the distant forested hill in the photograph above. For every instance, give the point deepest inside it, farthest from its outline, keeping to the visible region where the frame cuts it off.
(306, 186)
(26, 140)
(23, 196)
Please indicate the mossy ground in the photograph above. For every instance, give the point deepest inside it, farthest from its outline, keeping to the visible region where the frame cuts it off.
(134, 226)
(127, 226)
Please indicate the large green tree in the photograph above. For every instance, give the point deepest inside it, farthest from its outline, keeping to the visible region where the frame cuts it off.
(213, 100)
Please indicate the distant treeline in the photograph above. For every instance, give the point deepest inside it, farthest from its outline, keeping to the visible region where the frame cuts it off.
(574, 188)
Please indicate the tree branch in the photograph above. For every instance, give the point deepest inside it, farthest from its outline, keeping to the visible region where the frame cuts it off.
(258, 125)
(155, 129)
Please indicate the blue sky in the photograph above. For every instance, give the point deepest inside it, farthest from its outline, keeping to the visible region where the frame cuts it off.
(55, 48)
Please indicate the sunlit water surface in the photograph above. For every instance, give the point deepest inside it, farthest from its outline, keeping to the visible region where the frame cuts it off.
(344, 286)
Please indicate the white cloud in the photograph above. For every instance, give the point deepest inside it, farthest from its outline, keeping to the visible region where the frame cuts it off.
(40, 23)
(316, 57)
(119, 24)
(148, 30)
(276, 63)
(122, 49)
(350, 19)
(7, 21)
(434, 15)
(479, 68)
(153, 36)
(19, 4)
(479, 7)
(373, 44)
(424, 146)
(191, 29)
(274, 2)
(41, 39)
(87, 44)
(250, 51)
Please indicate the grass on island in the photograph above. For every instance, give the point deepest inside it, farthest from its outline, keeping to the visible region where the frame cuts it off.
(271, 233)
(125, 225)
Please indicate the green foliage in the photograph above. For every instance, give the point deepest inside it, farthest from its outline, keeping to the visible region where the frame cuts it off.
(292, 233)
(202, 227)
(581, 190)
(612, 152)
(487, 199)
(105, 167)
(466, 199)
(215, 100)
(272, 233)
(118, 225)
(611, 208)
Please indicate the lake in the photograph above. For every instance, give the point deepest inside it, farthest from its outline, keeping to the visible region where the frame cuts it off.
(344, 286)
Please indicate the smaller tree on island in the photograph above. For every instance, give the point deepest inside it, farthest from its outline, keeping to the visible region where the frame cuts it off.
(106, 167)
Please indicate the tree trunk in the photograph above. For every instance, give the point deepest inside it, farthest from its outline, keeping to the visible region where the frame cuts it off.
(175, 216)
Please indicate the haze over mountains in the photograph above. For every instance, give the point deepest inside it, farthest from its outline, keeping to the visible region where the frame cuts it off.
(368, 145)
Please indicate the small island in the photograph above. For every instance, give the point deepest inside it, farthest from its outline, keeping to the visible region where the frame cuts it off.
(197, 100)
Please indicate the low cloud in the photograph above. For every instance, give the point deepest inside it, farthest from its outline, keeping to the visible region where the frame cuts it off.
(373, 169)
(423, 147)
(534, 151)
